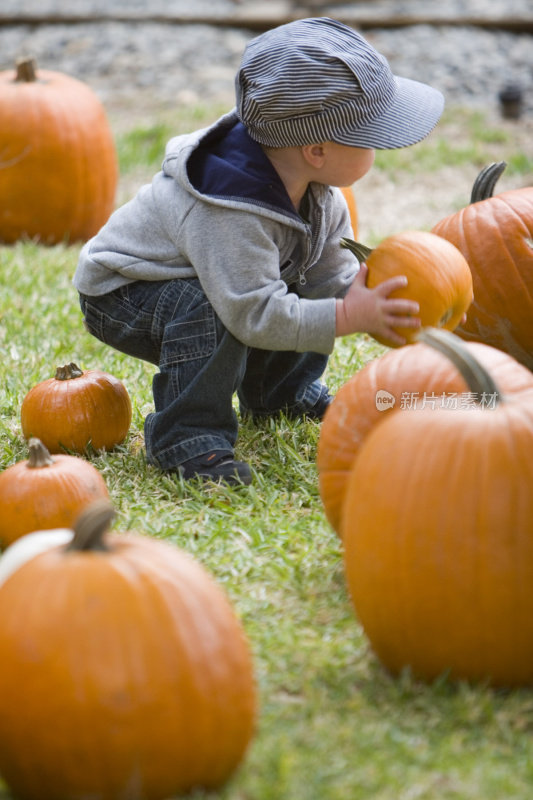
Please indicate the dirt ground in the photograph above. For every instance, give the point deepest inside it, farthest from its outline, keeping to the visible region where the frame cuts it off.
(389, 203)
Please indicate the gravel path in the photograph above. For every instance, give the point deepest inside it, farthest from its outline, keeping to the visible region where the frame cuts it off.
(165, 64)
(144, 69)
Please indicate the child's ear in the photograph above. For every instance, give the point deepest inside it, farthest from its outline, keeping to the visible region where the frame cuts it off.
(314, 154)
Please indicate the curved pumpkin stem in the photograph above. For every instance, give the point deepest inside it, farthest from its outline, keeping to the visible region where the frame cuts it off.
(478, 380)
(26, 70)
(90, 527)
(68, 371)
(485, 182)
(360, 251)
(38, 454)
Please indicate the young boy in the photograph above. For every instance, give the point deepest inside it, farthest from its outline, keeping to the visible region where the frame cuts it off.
(226, 271)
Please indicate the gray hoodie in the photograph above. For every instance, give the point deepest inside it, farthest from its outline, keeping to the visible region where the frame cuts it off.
(218, 211)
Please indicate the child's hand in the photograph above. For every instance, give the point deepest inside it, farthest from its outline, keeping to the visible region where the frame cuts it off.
(373, 311)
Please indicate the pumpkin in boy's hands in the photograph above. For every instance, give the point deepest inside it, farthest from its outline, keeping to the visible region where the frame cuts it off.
(58, 164)
(495, 235)
(77, 409)
(125, 671)
(439, 278)
(45, 492)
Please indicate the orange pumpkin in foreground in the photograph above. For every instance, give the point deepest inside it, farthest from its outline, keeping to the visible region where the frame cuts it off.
(495, 235)
(76, 409)
(438, 537)
(439, 277)
(125, 672)
(58, 164)
(406, 378)
(45, 492)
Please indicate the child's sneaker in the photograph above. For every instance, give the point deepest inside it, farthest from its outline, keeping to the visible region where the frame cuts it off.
(321, 406)
(218, 465)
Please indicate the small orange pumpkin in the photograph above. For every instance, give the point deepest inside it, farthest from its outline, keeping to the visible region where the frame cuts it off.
(45, 492)
(77, 409)
(439, 278)
(125, 671)
(58, 164)
(438, 535)
(495, 235)
(351, 202)
(409, 377)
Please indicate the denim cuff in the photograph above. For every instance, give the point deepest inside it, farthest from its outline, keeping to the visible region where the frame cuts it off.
(192, 447)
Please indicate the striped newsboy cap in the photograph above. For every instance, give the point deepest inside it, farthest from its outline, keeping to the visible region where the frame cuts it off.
(317, 80)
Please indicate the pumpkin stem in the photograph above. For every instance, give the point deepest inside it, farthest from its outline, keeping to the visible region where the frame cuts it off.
(26, 70)
(478, 380)
(38, 454)
(360, 251)
(91, 525)
(485, 182)
(68, 371)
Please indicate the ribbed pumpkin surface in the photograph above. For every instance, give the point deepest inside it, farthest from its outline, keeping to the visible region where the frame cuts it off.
(125, 674)
(35, 497)
(58, 165)
(92, 408)
(438, 537)
(407, 378)
(496, 238)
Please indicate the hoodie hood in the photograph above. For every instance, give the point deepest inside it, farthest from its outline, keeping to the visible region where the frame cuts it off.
(226, 164)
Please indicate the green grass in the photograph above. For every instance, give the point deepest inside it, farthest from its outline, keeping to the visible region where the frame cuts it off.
(333, 725)
(145, 145)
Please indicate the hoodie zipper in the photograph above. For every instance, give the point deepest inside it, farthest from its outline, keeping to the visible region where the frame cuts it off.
(312, 242)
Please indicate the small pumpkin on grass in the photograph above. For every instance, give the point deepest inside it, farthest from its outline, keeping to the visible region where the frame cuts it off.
(76, 409)
(402, 379)
(131, 675)
(58, 164)
(438, 535)
(45, 492)
(495, 235)
(439, 278)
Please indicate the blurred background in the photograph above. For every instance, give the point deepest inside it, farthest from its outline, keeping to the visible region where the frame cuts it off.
(164, 66)
(164, 52)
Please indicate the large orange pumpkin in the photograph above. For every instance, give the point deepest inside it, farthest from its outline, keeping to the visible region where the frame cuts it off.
(409, 377)
(438, 536)
(76, 409)
(125, 671)
(495, 234)
(58, 164)
(439, 278)
(45, 492)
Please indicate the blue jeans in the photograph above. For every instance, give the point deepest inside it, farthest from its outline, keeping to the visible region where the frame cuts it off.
(201, 366)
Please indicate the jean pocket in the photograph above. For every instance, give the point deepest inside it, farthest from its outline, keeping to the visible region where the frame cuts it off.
(190, 326)
(131, 334)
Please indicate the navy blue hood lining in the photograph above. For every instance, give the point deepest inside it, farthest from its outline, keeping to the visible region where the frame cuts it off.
(232, 165)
